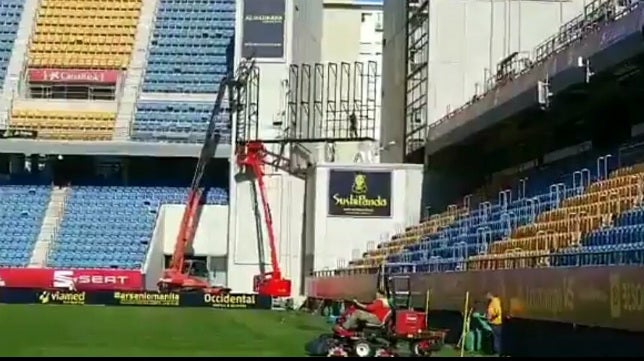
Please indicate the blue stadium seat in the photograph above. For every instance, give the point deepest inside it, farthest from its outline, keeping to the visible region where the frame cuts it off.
(189, 48)
(10, 13)
(612, 230)
(111, 227)
(606, 255)
(472, 233)
(22, 210)
(190, 53)
(175, 122)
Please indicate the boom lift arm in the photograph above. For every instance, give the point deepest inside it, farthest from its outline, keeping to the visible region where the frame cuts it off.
(177, 275)
(252, 157)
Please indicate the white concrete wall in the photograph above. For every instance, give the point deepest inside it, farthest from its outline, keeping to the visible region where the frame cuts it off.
(341, 34)
(302, 44)
(211, 237)
(468, 36)
(392, 129)
(306, 32)
(371, 50)
(303, 34)
(285, 196)
(154, 261)
(333, 238)
(352, 32)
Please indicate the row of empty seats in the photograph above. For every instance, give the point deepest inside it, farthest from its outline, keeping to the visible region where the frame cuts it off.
(10, 14)
(111, 227)
(412, 235)
(470, 231)
(175, 122)
(189, 47)
(189, 52)
(585, 217)
(84, 34)
(65, 125)
(22, 209)
(570, 225)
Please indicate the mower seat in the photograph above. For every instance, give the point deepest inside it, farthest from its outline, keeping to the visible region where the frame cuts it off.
(383, 324)
(374, 325)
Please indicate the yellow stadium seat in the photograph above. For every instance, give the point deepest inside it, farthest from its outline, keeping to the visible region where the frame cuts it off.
(565, 226)
(411, 235)
(84, 34)
(65, 125)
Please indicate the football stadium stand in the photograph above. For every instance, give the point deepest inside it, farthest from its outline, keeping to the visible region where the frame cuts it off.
(190, 53)
(69, 34)
(21, 214)
(91, 35)
(10, 11)
(111, 227)
(181, 122)
(98, 226)
(187, 55)
(65, 124)
(189, 50)
(579, 218)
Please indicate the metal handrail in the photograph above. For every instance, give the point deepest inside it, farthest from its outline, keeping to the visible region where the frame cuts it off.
(595, 14)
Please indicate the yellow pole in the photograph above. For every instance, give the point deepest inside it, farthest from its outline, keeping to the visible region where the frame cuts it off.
(427, 303)
(465, 322)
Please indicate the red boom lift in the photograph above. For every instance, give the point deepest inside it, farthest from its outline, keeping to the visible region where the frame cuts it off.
(180, 275)
(251, 156)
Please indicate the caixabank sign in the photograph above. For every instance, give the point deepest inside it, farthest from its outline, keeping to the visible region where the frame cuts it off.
(360, 193)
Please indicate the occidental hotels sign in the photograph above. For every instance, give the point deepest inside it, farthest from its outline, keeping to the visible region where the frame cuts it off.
(72, 76)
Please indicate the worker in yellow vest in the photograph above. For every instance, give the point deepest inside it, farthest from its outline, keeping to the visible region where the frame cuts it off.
(495, 318)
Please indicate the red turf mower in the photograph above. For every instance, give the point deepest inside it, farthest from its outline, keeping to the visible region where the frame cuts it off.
(403, 325)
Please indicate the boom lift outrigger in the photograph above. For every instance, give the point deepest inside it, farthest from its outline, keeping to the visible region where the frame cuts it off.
(251, 156)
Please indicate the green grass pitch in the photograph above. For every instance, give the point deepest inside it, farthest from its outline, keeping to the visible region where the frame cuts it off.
(57, 330)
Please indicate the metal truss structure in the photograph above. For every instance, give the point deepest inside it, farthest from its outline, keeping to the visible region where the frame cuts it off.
(332, 102)
(417, 85)
(325, 103)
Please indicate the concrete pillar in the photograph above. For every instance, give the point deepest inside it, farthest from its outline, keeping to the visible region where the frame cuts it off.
(17, 164)
(34, 159)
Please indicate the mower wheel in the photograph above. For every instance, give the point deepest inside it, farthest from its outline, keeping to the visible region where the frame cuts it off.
(363, 348)
(382, 352)
(337, 351)
(420, 348)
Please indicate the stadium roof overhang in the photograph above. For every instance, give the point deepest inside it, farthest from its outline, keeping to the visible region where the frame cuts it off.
(111, 148)
(614, 44)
